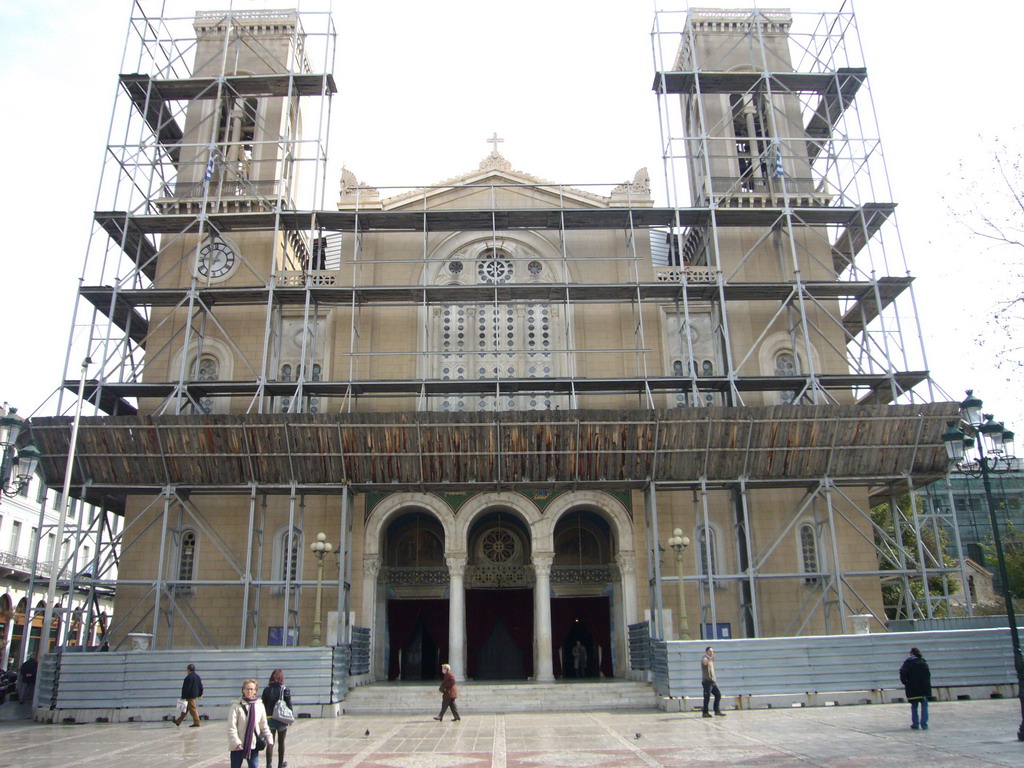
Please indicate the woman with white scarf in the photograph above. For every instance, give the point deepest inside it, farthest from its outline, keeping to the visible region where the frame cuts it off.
(247, 718)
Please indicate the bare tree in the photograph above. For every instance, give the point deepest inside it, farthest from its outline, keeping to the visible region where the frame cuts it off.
(990, 204)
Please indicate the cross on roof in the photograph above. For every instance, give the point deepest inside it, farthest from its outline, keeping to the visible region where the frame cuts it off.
(495, 141)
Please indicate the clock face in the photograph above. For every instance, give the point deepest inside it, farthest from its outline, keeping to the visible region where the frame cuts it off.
(216, 259)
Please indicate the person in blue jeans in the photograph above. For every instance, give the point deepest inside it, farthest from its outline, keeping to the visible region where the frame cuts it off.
(917, 682)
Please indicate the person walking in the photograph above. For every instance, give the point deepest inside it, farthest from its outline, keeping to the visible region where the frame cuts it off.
(917, 683)
(449, 692)
(27, 680)
(710, 682)
(247, 719)
(273, 693)
(191, 690)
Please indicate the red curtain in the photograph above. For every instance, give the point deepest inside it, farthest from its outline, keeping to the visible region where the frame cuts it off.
(595, 613)
(483, 609)
(402, 618)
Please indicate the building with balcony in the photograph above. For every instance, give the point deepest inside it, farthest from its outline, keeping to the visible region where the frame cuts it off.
(28, 545)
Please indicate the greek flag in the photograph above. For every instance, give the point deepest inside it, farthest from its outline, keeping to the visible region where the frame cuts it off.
(779, 172)
(209, 170)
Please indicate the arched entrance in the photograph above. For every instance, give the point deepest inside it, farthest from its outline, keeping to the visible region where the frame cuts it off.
(582, 581)
(6, 619)
(18, 631)
(499, 599)
(416, 578)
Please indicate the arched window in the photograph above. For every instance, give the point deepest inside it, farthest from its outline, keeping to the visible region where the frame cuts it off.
(785, 365)
(208, 369)
(288, 554)
(236, 132)
(707, 551)
(187, 556)
(685, 334)
(419, 548)
(809, 552)
(75, 634)
(301, 339)
(582, 539)
(209, 359)
(749, 127)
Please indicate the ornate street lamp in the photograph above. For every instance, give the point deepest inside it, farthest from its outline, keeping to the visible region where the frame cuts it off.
(985, 449)
(22, 463)
(320, 549)
(679, 543)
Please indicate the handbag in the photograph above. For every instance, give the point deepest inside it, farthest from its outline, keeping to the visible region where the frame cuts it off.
(182, 705)
(283, 713)
(261, 743)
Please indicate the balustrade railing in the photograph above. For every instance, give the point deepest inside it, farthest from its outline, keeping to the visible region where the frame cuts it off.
(19, 563)
(702, 275)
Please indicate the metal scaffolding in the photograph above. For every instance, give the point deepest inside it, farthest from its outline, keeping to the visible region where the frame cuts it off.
(248, 342)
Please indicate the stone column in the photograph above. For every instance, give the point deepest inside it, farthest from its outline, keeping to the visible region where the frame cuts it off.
(371, 570)
(456, 614)
(627, 571)
(626, 566)
(542, 615)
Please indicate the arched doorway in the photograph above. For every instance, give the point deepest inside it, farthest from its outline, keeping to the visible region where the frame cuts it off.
(36, 628)
(18, 631)
(582, 581)
(499, 599)
(415, 578)
(6, 619)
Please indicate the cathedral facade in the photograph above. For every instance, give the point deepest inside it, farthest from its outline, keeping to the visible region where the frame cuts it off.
(496, 396)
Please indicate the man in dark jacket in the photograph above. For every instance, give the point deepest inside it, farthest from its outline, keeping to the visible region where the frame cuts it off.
(191, 689)
(27, 680)
(917, 682)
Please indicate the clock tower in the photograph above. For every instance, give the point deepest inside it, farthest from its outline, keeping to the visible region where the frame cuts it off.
(236, 151)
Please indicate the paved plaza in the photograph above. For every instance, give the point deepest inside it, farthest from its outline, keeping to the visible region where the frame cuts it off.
(974, 733)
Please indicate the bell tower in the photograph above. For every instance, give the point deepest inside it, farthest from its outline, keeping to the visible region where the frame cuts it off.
(216, 113)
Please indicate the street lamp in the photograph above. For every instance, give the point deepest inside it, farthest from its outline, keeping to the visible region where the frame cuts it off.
(679, 543)
(23, 465)
(992, 446)
(320, 549)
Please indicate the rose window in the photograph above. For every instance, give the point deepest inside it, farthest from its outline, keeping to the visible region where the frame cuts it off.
(499, 546)
(494, 269)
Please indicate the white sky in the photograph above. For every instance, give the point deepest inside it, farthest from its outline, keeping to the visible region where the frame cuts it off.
(567, 84)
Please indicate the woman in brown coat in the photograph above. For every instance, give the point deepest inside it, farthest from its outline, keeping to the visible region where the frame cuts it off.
(449, 692)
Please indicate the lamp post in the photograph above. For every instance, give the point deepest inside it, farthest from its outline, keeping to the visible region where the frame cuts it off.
(320, 549)
(679, 543)
(987, 449)
(22, 463)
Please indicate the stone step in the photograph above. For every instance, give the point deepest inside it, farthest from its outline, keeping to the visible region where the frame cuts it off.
(398, 698)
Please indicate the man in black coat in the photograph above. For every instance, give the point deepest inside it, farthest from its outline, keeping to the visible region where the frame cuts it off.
(917, 682)
(191, 689)
(27, 680)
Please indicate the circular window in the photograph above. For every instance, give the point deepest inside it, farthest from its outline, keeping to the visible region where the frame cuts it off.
(455, 267)
(499, 546)
(535, 268)
(493, 268)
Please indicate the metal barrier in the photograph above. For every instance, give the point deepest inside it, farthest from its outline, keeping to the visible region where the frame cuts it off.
(640, 646)
(359, 663)
(954, 622)
(968, 658)
(144, 685)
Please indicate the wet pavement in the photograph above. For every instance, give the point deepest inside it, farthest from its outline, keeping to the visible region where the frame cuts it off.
(974, 733)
